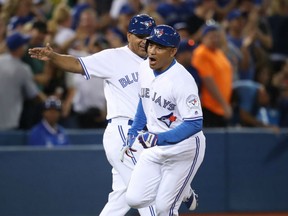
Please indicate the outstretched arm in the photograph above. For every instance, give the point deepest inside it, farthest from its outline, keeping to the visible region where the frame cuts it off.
(65, 62)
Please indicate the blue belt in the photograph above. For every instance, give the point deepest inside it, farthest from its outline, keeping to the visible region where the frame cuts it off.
(130, 122)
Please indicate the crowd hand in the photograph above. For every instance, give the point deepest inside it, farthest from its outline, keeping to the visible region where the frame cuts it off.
(66, 109)
(41, 53)
(249, 38)
(228, 112)
(275, 129)
(148, 139)
(127, 147)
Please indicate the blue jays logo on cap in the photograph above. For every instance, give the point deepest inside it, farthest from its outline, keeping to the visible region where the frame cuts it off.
(159, 32)
(164, 35)
(147, 24)
(141, 24)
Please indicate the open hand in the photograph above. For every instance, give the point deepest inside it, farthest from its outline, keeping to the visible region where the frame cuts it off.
(41, 53)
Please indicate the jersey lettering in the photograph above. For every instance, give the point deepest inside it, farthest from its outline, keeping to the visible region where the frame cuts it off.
(171, 107)
(145, 93)
(125, 81)
(166, 103)
(158, 100)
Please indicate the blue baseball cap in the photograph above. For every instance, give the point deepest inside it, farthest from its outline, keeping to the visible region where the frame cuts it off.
(52, 102)
(164, 35)
(209, 28)
(141, 24)
(126, 9)
(16, 40)
(234, 14)
(186, 45)
(180, 25)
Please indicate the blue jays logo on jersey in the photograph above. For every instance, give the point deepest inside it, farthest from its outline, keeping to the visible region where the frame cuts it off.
(193, 101)
(158, 32)
(147, 24)
(168, 119)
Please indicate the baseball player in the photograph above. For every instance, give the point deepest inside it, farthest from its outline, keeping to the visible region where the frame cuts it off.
(119, 70)
(174, 145)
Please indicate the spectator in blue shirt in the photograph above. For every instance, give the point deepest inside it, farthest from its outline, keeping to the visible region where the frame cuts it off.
(48, 132)
(248, 99)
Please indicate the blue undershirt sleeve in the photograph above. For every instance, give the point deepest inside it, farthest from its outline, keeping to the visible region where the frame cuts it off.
(139, 121)
(179, 133)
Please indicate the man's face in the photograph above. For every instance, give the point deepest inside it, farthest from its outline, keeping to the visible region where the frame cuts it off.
(137, 44)
(212, 39)
(160, 57)
(52, 116)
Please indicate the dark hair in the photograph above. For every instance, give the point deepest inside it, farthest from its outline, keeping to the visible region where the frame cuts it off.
(40, 26)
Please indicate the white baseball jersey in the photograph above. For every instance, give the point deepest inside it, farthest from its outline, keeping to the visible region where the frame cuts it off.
(165, 172)
(165, 102)
(119, 69)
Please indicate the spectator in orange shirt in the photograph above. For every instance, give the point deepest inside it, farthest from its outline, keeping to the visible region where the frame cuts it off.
(216, 73)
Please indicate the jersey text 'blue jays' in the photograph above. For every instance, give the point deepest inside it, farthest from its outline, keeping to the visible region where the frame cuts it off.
(166, 104)
(127, 80)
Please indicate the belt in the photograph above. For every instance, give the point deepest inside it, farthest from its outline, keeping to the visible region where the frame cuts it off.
(129, 122)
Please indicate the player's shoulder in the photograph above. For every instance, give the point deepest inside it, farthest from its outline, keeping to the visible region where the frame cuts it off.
(144, 65)
(180, 69)
(107, 55)
(118, 52)
(110, 51)
(180, 74)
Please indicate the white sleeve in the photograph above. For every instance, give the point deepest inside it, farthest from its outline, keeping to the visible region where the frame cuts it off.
(188, 100)
(99, 64)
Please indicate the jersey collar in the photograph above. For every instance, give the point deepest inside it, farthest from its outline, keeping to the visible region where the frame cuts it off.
(157, 73)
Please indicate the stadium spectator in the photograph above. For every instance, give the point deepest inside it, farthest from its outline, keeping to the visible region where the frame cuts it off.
(175, 11)
(184, 55)
(182, 29)
(116, 35)
(79, 7)
(236, 24)
(31, 113)
(59, 26)
(248, 31)
(38, 33)
(250, 97)
(216, 74)
(280, 81)
(17, 13)
(48, 132)
(89, 104)
(277, 18)
(3, 48)
(203, 12)
(17, 79)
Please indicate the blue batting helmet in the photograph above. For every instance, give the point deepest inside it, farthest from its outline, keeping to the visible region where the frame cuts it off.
(164, 35)
(141, 24)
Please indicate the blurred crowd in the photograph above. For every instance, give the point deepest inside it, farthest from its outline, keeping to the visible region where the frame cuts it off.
(236, 50)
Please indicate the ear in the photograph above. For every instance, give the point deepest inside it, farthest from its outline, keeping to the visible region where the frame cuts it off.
(128, 36)
(173, 52)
